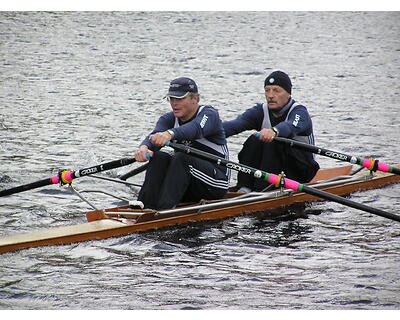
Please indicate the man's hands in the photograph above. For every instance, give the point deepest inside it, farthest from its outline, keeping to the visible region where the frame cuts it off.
(160, 138)
(143, 153)
(266, 135)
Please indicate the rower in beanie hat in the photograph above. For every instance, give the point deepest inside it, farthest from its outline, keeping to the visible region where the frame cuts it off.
(279, 78)
(280, 116)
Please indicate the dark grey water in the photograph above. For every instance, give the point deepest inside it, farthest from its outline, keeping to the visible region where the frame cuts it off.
(78, 89)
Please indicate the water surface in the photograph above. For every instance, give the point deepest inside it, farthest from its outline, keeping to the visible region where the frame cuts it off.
(81, 88)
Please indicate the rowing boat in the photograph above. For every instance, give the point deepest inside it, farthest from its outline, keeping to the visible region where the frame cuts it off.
(127, 219)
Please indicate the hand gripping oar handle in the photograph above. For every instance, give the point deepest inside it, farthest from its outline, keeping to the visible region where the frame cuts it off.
(66, 176)
(277, 180)
(370, 164)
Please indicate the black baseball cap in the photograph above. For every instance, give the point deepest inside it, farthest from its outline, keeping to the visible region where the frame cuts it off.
(181, 87)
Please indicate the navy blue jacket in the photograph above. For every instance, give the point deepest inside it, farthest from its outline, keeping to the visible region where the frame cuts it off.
(274, 157)
(298, 123)
(205, 124)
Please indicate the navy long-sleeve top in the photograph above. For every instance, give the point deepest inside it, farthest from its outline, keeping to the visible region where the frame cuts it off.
(298, 123)
(206, 123)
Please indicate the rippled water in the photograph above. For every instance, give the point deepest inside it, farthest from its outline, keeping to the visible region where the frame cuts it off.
(78, 89)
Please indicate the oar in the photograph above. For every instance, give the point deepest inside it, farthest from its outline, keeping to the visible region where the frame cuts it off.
(370, 164)
(277, 180)
(134, 172)
(66, 176)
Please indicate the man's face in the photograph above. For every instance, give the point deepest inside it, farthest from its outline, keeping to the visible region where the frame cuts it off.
(184, 108)
(276, 97)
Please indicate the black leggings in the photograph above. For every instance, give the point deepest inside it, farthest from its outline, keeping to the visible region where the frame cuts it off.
(274, 158)
(171, 179)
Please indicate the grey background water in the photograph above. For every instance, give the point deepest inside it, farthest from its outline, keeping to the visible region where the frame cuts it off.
(80, 88)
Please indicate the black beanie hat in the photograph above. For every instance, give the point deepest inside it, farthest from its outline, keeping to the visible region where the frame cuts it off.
(279, 78)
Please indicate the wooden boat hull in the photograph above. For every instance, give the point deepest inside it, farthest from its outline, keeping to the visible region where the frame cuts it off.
(113, 222)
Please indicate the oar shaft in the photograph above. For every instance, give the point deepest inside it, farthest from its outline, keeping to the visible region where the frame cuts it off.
(350, 203)
(275, 179)
(33, 185)
(134, 171)
(104, 167)
(317, 150)
(366, 163)
(67, 176)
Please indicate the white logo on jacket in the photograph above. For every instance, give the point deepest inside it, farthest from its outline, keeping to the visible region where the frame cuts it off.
(203, 121)
(296, 120)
